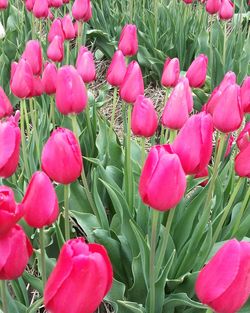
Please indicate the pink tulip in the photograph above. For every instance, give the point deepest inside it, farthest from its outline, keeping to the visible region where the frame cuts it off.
(49, 78)
(85, 66)
(82, 10)
(128, 42)
(244, 137)
(226, 10)
(171, 73)
(3, 4)
(37, 90)
(117, 69)
(188, 1)
(68, 27)
(41, 8)
(245, 95)
(55, 3)
(33, 55)
(197, 71)
(6, 108)
(213, 6)
(55, 50)
(71, 94)
(29, 4)
(133, 84)
(144, 117)
(56, 29)
(203, 173)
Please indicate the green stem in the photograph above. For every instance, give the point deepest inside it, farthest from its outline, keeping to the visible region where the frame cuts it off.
(52, 112)
(131, 5)
(80, 29)
(225, 46)
(66, 212)
(43, 260)
(115, 101)
(89, 126)
(26, 120)
(4, 296)
(165, 241)
(152, 261)
(143, 11)
(128, 176)
(156, 20)
(143, 152)
(33, 119)
(67, 52)
(172, 135)
(240, 214)
(209, 310)
(23, 139)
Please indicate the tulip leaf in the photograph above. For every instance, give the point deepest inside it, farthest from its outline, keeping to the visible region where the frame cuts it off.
(181, 299)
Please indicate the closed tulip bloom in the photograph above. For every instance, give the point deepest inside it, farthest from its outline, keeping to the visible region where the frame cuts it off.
(68, 27)
(55, 50)
(40, 202)
(84, 273)
(228, 113)
(6, 108)
(3, 4)
(171, 72)
(128, 42)
(55, 3)
(188, 1)
(41, 8)
(224, 284)
(163, 182)
(71, 94)
(245, 95)
(197, 71)
(226, 10)
(37, 90)
(16, 250)
(117, 69)
(10, 138)
(193, 144)
(213, 6)
(10, 211)
(144, 117)
(82, 10)
(132, 85)
(242, 161)
(33, 55)
(244, 137)
(62, 149)
(22, 79)
(49, 78)
(56, 29)
(85, 66)
(29, 4)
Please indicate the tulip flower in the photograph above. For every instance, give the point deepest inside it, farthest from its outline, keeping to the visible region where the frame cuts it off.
(203, 173)
(37, 90)
(33, 55)
(62, 148)
(193, 144)
(56, 3)
(163, 182)
(85, 66)
(223, 283)
(132, 85)
(242, 161)
(144, 117)
(6, 108)
(128, 42)
(71, 94)
(55, 50)
(10, 211)
(82, 10)
(213, 6)
(245, 95)
(177, 108)
(188, 1)
(84, 273)
(29, 4)
(3, 4)
(226, 11)
(68, 27)
(244, 137)
(40, 8)
(49, 78)
(40, 202)
(117, 69)
(16, 250)
(22, 79)
(171, 72)
(10, 137)
(2, 31)
(56, 29)
(197, 71)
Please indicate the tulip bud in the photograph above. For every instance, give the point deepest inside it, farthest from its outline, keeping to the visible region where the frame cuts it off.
(56, 3)
(242, 161)
(10, 138)
(2, 31)
(82, 10)
(29, 4)
(55, 50)
(83, 272)
(213, 6)
(68, 27)
(3, 4)
(223, 283)
(226, 10)
(15, 250)
(171, 72)
(245, 95)
(144, 117)
(33, 55)
(117, 69)
(37, 90)
(22, 79)
(162, 183)
(244, 137)
(49, 78)
(203, 173)
(62, 148)
(41, 8)
(85, 66)
(177, 108)
(40, 202)
(197, 71)
(10, 212)
(128, 42)
(5, 105)
(132, 85)
(71, 94)
(193, 144)
(56, 29)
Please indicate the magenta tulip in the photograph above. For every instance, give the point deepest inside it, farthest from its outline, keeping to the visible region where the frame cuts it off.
(128, 42)
(85, 66)
(22, 79)
(82, 10)
(49, 78)
(33, 55)
(197, 71)
(226, 10)
(41, 8)
(213, 6)
(3, 4)
(117, 69)
(6, 108)
(55, 50)
(171, 72)
(244, 137)
(56, 29)
(242, 161)
(68, 27)
(245, 95)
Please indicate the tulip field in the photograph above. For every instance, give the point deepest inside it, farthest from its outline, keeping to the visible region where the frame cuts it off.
(124, 156)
